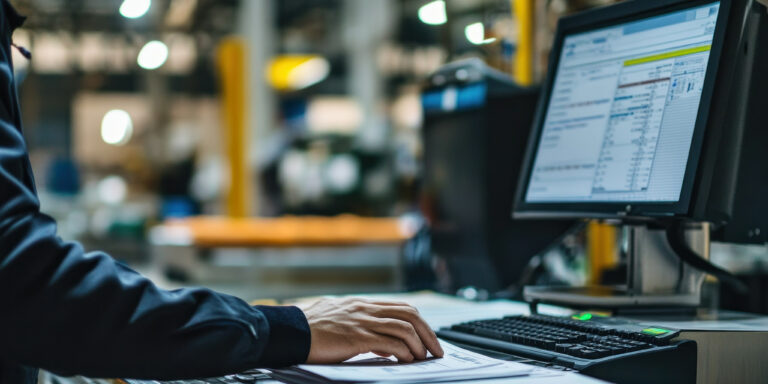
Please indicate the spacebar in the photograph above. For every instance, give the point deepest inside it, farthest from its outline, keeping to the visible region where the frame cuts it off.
(498, 345)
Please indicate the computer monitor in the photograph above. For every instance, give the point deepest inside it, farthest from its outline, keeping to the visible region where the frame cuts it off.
(642, 118)
(624, 114)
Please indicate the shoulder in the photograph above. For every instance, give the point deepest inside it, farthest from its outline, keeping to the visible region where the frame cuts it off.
(10, 16)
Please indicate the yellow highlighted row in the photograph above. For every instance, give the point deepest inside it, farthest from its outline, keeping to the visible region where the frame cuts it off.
(668, 55)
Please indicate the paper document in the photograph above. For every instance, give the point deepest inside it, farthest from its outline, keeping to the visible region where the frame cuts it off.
(543, 376)
(456, 364)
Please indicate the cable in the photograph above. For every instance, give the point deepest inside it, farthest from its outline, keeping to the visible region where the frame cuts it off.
(680, 275)
(676, 238)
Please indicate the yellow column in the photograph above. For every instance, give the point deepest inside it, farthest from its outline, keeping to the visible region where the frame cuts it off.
(523, 11)
(602, 250)
(232, 68)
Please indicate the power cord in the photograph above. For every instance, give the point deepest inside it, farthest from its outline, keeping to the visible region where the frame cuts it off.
(676, 237)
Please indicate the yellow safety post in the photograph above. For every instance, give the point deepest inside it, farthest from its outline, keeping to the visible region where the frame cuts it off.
(232, 67)
(602, 249)
(523, 11)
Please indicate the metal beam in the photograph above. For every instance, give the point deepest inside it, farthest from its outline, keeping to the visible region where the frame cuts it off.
(362, 35)
(257, 27)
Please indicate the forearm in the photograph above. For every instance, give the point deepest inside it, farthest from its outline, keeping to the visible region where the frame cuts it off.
(76, 313)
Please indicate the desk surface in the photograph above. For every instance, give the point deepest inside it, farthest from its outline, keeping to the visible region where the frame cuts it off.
(731, 347)
(714, 366)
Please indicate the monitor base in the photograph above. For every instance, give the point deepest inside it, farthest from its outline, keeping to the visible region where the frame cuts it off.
(616, 299)
(657, 280)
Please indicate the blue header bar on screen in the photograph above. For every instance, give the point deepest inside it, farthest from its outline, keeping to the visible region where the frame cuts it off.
(667, 20)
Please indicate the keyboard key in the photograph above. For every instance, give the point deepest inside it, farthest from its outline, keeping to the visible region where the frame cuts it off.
(592, 353)
(547, 344)
(489, 333)
(574, 350)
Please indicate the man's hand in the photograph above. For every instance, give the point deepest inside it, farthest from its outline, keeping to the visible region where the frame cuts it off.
(344, 328)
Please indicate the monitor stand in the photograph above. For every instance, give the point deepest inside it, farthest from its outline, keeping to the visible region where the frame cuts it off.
(657, 280)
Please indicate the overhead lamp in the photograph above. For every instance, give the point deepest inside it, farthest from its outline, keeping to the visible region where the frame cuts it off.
(475, 33)
(133, 9)
(433, 13)
(153, 55)
(116, 127)
(293, 72)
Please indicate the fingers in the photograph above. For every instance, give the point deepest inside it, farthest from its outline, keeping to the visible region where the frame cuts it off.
(388, 303)
(405, 332)
(411, 315)
(411, 328)
(388, 345)
(383, 303)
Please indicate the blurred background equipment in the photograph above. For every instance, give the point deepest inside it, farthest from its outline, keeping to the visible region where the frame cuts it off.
(322, 115)
(476, 127)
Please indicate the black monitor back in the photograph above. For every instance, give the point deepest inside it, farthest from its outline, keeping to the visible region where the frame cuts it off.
(475, 132)
(748, 221)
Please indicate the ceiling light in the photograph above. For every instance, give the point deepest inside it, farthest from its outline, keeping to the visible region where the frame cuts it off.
(116, 127)
(433, 13)
(153, 55)
(475, 33)
(133, 9)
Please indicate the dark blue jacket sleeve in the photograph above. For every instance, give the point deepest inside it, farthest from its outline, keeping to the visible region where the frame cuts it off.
(73, 312)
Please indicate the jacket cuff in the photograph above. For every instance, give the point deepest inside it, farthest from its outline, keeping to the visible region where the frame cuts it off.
(289, 336)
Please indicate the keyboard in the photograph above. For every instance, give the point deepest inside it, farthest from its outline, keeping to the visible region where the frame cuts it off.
(603, 347)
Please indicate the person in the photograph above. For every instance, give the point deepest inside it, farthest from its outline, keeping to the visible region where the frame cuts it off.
(72, 312)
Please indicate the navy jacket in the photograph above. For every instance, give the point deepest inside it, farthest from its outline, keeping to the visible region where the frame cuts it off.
(72, 312)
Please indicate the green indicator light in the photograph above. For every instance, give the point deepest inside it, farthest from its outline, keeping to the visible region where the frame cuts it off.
(655, 331)
(582, 316)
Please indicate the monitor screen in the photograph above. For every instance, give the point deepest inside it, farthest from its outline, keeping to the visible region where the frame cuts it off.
(620, 117)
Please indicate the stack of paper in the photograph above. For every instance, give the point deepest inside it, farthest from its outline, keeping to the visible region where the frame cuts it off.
(457, 364)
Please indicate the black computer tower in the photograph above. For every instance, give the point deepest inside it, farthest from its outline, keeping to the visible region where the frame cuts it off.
(476, 127)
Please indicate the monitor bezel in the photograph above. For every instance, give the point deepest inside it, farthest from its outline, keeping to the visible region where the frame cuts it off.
(602, 18)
